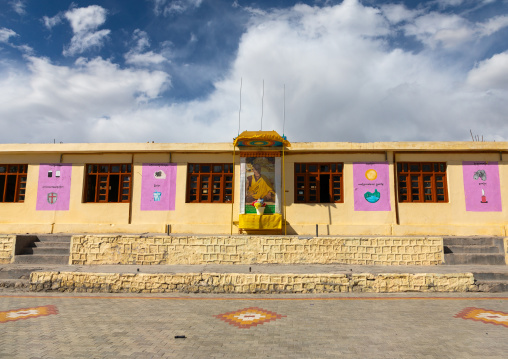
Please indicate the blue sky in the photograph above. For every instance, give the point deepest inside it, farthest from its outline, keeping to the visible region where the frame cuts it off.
(172, 70)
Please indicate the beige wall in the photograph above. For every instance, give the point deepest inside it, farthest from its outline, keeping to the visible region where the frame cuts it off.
(336, 218)
(452, 217)
(332, 219)
(250, 283)
(130, 249)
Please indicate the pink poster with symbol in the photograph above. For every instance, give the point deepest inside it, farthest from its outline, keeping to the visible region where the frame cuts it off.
(54, 191)
(482, 186)
(371, 182)
(158, 187)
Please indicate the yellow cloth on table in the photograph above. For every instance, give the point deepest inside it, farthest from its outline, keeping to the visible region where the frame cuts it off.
(255, 221)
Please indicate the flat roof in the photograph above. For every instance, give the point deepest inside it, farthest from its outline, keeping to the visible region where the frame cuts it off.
(296, 147)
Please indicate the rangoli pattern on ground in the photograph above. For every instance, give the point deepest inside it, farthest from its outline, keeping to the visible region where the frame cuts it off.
(249, 317)
(484, 315)
(25, 313)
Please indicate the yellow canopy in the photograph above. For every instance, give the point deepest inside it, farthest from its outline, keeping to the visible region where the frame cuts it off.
(261, 139)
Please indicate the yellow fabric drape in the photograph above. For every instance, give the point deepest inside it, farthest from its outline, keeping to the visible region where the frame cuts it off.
(255, 221)
(261, 136)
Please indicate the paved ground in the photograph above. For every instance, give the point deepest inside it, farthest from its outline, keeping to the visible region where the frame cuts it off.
(310, 326)
(257, 268)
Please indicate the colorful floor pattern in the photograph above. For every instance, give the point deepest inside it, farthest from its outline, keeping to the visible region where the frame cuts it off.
(484, 315)
(25, 313)
(249, 317)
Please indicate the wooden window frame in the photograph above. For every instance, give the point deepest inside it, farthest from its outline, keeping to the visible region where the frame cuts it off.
(124, 182)
(207, 182)
(20, 184)
(423, 183)
(303, 170)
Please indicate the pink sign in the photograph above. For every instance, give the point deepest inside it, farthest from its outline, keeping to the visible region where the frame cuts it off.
(54, 191)
(371, 183)
(482, 186)
(158, 187)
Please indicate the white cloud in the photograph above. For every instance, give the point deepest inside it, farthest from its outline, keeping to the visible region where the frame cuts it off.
(343, 83)
(50, 22)
(19, 7)
(490, 74)
(136, 56)
(168, 7)
(142, 40)
(447, 3)
(396, 13)
(5, 34)
(436, 29)
(84, 22)
(492, 25)
(147, 58)
(67, 102)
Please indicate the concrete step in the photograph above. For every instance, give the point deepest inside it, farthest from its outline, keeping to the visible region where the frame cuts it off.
(483, 276)
(48, 244)
(15, 284)
(473, 241)
(23, 273)
(474, 258)
(48, 250)
(492, 286)
(471, 249)
(41, 259)
(54, 238)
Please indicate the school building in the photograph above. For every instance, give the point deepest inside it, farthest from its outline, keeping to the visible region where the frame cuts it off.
(334, 188)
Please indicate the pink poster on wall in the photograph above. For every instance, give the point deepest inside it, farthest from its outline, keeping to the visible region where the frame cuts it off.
(482, 186)
(158, 187)
(371, 183)
(54, 190)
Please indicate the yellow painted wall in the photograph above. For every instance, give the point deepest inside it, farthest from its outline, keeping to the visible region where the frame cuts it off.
(452, 217)
(336, 218)
(332, 219)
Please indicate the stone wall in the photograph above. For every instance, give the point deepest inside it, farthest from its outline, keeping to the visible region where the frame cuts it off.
(126, 249)
(250, 283)
(506, 250)
(7, 243)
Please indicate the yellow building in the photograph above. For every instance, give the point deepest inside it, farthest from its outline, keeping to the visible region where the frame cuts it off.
(336, 188)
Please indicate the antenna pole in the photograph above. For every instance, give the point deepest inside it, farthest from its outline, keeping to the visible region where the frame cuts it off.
(262, 100)
(284, 112)
(240, 110)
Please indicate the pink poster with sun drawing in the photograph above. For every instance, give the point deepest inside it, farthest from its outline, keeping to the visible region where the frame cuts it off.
(371, 182)
(482, 186)
(158, 187)
(54, 190)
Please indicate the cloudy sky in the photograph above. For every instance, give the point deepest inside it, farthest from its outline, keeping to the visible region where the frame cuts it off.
(173, 70)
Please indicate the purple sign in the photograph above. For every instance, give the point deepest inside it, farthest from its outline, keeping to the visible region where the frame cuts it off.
(482, 186)
(158, 187)
(54, 191)
(371, 183)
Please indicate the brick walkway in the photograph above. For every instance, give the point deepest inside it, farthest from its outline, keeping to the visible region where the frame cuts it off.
(325, 326)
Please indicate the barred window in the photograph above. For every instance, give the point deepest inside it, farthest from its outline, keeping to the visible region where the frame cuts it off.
(422, 182)
(319, 183)
(209, 183)
(108, 182)
(13, 183)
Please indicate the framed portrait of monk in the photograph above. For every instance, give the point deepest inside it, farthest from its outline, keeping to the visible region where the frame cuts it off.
(259, 181)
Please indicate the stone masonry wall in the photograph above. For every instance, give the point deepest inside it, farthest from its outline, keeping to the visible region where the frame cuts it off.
(7, 243)
(127, 249)
(506, 250)
(250, 283)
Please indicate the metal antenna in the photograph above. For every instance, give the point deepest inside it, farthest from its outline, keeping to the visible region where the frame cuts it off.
(262, 100)
(284, 113)
(240, 110)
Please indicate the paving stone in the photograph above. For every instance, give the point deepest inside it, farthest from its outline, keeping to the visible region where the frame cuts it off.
(324, 326)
